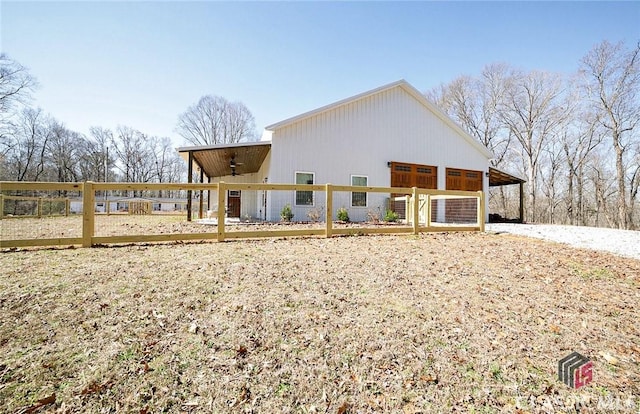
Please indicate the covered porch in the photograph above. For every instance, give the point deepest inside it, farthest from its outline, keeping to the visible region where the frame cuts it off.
(499, 178)
(218, 162)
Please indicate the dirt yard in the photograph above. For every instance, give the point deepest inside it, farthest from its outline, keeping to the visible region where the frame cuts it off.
(431, 323)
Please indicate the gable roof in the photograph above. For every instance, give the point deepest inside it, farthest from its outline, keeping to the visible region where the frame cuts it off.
(407, 87)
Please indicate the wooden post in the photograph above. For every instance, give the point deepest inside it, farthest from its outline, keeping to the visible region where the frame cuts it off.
(428, 216)
(208, 194)
(67, 207)
(39, 207)
(481, 210)
(200, 214)
(222, 192)
(521, 219)
(1, 206)
(416, 210)
(329, 210)
(189, 180)
(88, 216)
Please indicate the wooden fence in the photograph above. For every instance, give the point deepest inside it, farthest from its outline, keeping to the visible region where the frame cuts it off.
(38, 204)
(419, 214)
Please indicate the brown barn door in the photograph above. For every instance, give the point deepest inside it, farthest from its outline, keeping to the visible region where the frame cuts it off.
(411, 175)
(233, 203)
(462, 210)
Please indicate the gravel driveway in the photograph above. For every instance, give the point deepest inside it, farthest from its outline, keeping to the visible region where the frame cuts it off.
(621, 242)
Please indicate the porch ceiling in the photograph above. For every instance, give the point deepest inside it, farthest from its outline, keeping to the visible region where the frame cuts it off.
(215, 160)
(498, 178)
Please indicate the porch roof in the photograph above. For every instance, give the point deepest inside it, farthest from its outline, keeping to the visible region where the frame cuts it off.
(498, 178)
(215, 160)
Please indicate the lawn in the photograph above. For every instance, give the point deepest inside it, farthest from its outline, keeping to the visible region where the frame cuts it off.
(463, 322)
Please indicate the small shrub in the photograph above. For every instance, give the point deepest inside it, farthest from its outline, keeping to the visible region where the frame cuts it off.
(391, 216)
(315, 214)
(373, 215)
(342, 214)
(286, 214)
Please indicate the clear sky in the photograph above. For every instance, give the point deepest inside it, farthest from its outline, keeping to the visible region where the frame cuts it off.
(141, 64)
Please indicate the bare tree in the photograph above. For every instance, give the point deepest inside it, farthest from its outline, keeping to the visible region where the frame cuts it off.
(612, 82)
(168, 166)
(25, 145)
(16, 84)
(533, 112)
(214, 120)
(134, 156)
(579, 136)
(96, 162)
(64, 151)
(474, 102)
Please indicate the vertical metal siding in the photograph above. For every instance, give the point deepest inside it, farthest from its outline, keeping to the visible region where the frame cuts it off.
(360, 138)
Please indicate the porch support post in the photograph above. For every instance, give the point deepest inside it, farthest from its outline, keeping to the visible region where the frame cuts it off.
(208, 194)
(201, 192)
(521, 218)
(189, 180)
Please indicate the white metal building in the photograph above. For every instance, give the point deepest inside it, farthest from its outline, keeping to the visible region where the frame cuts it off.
(389, 136)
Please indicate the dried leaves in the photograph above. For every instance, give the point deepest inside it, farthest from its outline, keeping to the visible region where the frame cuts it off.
(387, 324)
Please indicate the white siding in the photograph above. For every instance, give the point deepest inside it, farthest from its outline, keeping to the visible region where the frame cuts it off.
(359, 138)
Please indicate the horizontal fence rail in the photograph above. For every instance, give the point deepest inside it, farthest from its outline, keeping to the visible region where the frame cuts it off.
(90, 213)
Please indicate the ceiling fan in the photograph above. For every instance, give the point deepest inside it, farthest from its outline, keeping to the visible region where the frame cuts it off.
(233, 164)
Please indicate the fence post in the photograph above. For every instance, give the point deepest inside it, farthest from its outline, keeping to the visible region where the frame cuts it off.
(39, 207)
(222, 189)
(88, 216)
(1, 206)
(329, 210)
(416, 210)
(481, 211)
(67, 207)
(427, 217)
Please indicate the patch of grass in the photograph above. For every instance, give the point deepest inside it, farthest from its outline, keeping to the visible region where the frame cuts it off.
(592, 273)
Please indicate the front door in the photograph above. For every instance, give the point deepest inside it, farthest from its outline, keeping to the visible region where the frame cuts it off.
(233, 203)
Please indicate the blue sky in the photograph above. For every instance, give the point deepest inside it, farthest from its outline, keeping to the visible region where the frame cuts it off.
(141, 64)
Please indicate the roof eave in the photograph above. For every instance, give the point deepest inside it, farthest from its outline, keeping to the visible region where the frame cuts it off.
(222, 146)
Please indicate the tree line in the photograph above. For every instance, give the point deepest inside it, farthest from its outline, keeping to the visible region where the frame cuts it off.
(35, 146)
(574, 137)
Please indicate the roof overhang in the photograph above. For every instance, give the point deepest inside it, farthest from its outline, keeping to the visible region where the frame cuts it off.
(498, 178)
(215, 160)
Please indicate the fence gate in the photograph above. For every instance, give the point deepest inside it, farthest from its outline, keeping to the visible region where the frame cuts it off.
(411, 175)
(140, 207)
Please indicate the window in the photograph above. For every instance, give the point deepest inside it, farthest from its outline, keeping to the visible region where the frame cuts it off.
(358, 199)
(304, 198)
